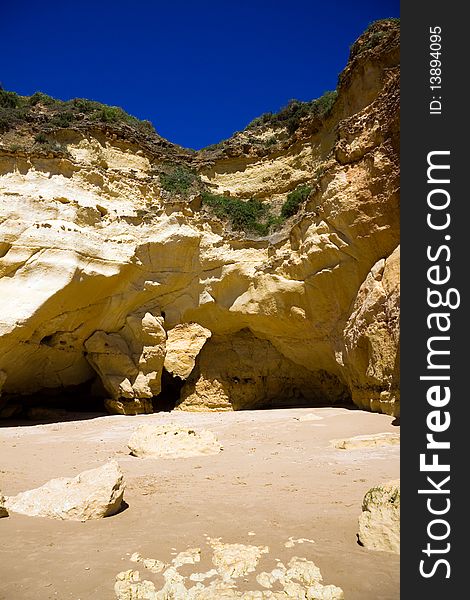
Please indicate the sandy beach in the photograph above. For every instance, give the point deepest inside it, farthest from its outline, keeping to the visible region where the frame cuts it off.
(278, 480)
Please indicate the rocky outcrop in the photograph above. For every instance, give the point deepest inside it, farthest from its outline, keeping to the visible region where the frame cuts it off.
(99, 264)
(92, 494)
(372, 336)
(130, 362)
(171, 441)
(241, 371)
(379, 523)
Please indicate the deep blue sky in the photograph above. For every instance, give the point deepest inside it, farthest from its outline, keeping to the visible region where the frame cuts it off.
(199, 70)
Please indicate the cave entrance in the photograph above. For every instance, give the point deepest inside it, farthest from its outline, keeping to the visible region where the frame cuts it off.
(73, 403)
(169, 397)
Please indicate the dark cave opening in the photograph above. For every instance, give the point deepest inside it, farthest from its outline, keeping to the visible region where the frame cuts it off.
(169, 397)
(52, 405)
(87, 400)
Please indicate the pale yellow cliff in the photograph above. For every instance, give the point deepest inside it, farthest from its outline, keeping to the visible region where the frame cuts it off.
(99, 265)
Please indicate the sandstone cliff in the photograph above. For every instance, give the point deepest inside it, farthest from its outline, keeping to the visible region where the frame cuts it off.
(118, 268)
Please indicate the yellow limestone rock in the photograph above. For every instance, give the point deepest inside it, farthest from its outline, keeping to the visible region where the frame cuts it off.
(183, 345)
(95, 241)
(92, 494)
(172, 441)
(129, 586)
(135, 406)
(235, 560)
(241, 371)
(372, 337)
(130, 362)
(155, 566)
(379, 523)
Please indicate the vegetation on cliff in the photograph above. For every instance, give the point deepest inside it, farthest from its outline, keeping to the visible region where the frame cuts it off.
(291, 115)
(41, 117)
(179, 179)
(251, 215)
(53, 113)
(294, 200)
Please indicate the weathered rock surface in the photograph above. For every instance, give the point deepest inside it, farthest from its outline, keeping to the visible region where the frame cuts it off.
(367, 441)
(92, 494)
(136, 406)
(183, 345)
(130, 362)
(379, 523)
(372, 337)
(242, 371)
(300, 579)
(171, 441)
(235, 560)
(111, 261)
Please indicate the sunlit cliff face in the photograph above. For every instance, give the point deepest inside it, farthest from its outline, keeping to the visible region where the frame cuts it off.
(110, 279)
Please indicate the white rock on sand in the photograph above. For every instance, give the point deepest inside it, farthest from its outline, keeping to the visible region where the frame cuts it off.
(300, 579)
(379, 523)
(171, 441)
(235, 560)
(91, 494)
(367, 441)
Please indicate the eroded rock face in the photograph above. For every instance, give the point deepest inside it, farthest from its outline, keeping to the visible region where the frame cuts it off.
(92, 494)
(241, 371)
(182, 347)
(171, 441)
(130, 362)
(379, 523)
(103, 251)
(372, 337)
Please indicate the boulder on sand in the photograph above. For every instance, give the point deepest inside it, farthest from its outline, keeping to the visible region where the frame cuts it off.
(90, 495)
(172, 441)
(379, 523)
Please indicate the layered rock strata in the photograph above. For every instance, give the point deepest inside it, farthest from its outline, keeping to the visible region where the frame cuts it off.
(106, 275)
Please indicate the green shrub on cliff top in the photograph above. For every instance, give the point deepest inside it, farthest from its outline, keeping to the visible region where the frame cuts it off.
(291, 115)
(59, 113)
(9, 99)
